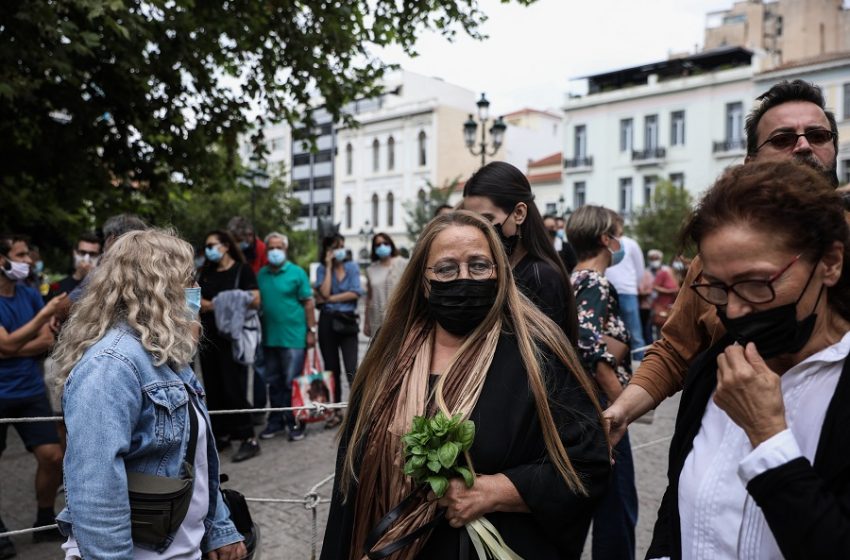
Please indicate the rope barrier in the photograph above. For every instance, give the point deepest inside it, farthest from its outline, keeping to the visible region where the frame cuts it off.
(315, 407)
(651, 443)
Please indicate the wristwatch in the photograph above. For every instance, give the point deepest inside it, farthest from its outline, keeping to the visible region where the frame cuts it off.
(312, 329)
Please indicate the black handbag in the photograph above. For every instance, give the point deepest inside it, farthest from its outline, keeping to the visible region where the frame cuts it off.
(345, 324)
(158, 504)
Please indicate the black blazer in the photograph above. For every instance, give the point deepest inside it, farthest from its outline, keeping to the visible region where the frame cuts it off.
(807, 507)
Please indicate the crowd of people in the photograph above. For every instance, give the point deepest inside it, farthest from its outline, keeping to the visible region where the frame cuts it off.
(551, 336)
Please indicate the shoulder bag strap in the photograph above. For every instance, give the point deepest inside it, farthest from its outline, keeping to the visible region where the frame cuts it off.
(191, 410)
(386, 522)
(238, 276)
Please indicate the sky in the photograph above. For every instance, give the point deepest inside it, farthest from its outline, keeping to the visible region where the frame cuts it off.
(533, 51)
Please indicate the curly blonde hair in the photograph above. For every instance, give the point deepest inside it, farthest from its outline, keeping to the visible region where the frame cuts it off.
(140, 282)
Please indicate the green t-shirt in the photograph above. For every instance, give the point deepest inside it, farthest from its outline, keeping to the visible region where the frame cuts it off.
(283, 293)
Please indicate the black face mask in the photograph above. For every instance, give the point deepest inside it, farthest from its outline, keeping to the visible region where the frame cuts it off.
(774, 331)
(461, 305)
(509, 243)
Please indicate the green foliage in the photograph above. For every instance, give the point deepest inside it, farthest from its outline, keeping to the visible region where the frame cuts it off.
(420, 211)
(432, 447)
(657, 226)
(303, 248)
(109, 106)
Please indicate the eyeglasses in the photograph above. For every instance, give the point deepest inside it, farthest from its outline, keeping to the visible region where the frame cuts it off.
(751, 291)
(478, 269)
(787, 140)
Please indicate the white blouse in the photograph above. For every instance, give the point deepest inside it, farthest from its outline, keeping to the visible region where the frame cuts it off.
(719, 519)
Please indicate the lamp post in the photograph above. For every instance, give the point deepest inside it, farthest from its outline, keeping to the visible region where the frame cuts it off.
(366, 233)
(255, 178)
(497, 131)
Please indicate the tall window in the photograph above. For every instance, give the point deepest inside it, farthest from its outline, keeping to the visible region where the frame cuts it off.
(375, 210)
(625, 196)
(348, 217)
(349, 159)
(423, 149)
(579, 194)
(650, 132)
(846, 101)
(580, 144)
(390, 209)
(677, 128)
(734, 122)
(376, 155)
(391, 153)
(626, 134)
(677, 180)
(649, 183)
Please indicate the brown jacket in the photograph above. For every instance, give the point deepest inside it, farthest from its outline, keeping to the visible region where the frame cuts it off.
(693, 326)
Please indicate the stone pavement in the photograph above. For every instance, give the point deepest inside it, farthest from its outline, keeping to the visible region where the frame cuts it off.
(288, 469)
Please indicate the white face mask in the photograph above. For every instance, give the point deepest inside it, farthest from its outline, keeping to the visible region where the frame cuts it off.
(16, 271)
(84, 259)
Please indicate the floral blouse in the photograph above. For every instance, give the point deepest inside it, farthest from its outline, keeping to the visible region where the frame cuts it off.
(598, 315)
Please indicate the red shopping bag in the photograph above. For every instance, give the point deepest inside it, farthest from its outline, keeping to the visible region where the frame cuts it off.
(313, 386)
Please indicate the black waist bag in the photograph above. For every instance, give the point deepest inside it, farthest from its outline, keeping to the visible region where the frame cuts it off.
(158, 504)
(345, 324)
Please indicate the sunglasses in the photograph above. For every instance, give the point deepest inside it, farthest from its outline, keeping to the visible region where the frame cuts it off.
(211, 245)
(92, 254)
(787, 140)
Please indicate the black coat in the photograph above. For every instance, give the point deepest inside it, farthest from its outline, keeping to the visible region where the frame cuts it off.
(509, 440)
(807, 507)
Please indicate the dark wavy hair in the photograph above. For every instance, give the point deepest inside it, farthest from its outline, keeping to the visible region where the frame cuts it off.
(789, 200)
(390, 242)
(506, 186)
(233, 249)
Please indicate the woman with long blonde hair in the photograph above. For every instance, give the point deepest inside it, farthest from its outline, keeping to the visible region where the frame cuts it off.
(459, 337)
(133, 407)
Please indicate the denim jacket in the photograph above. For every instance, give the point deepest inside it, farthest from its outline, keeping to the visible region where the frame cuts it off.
(125, 414)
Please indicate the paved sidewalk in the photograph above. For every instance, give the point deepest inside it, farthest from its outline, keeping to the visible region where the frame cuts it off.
(288, 469)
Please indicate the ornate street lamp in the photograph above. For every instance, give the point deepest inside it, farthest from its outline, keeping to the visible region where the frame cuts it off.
(497, 131)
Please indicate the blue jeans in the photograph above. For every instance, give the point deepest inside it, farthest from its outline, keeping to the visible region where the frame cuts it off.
(282, 366)
(630, 311)
(616, 515)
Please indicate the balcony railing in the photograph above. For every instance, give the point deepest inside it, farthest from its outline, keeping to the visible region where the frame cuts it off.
(730, 145)
(586, 161)
(649, 154)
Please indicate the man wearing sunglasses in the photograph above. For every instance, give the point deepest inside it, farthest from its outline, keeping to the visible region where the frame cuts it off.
(85, 255)
(790, 121)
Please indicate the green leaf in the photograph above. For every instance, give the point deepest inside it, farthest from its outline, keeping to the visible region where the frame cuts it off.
(409, 468)
(418, 450)
(467, 475)
(419, 461)
(466, 434)
(448, 454)
(439, 485)
(434, 466)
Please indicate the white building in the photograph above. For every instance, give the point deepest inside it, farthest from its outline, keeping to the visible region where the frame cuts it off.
(402, 144)
(680, 119)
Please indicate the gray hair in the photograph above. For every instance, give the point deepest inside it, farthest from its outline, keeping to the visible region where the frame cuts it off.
(116, 226)
(277, 235)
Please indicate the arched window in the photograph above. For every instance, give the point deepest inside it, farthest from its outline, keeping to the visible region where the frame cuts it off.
(423, 149)
(376, 155)
(348, 219)
(349, 159)
(375, 210)
(391, 153)
(390, 208)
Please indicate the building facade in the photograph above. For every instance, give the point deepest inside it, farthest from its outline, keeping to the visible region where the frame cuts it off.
(680, 120)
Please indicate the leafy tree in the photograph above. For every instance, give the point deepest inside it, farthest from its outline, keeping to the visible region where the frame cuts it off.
(421, 210)
(657, 226)
(137, 105)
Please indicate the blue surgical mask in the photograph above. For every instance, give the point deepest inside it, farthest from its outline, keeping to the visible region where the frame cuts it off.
(213, 254)
(617, 256)
(193, 299)
(39, 267)
(244, 245)
(560, 234)
(277, 257)
(383, 251)
(339, 255)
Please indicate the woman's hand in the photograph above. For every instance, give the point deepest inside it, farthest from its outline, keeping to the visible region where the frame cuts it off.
(329, 258)
(489, 493)
(235, 551)
(750, 393)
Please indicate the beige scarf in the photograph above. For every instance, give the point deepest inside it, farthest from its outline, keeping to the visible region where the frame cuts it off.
(382, 484)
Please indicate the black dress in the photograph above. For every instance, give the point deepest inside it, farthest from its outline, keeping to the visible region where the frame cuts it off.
(543, 284)
(225, 380)
(509, 440)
